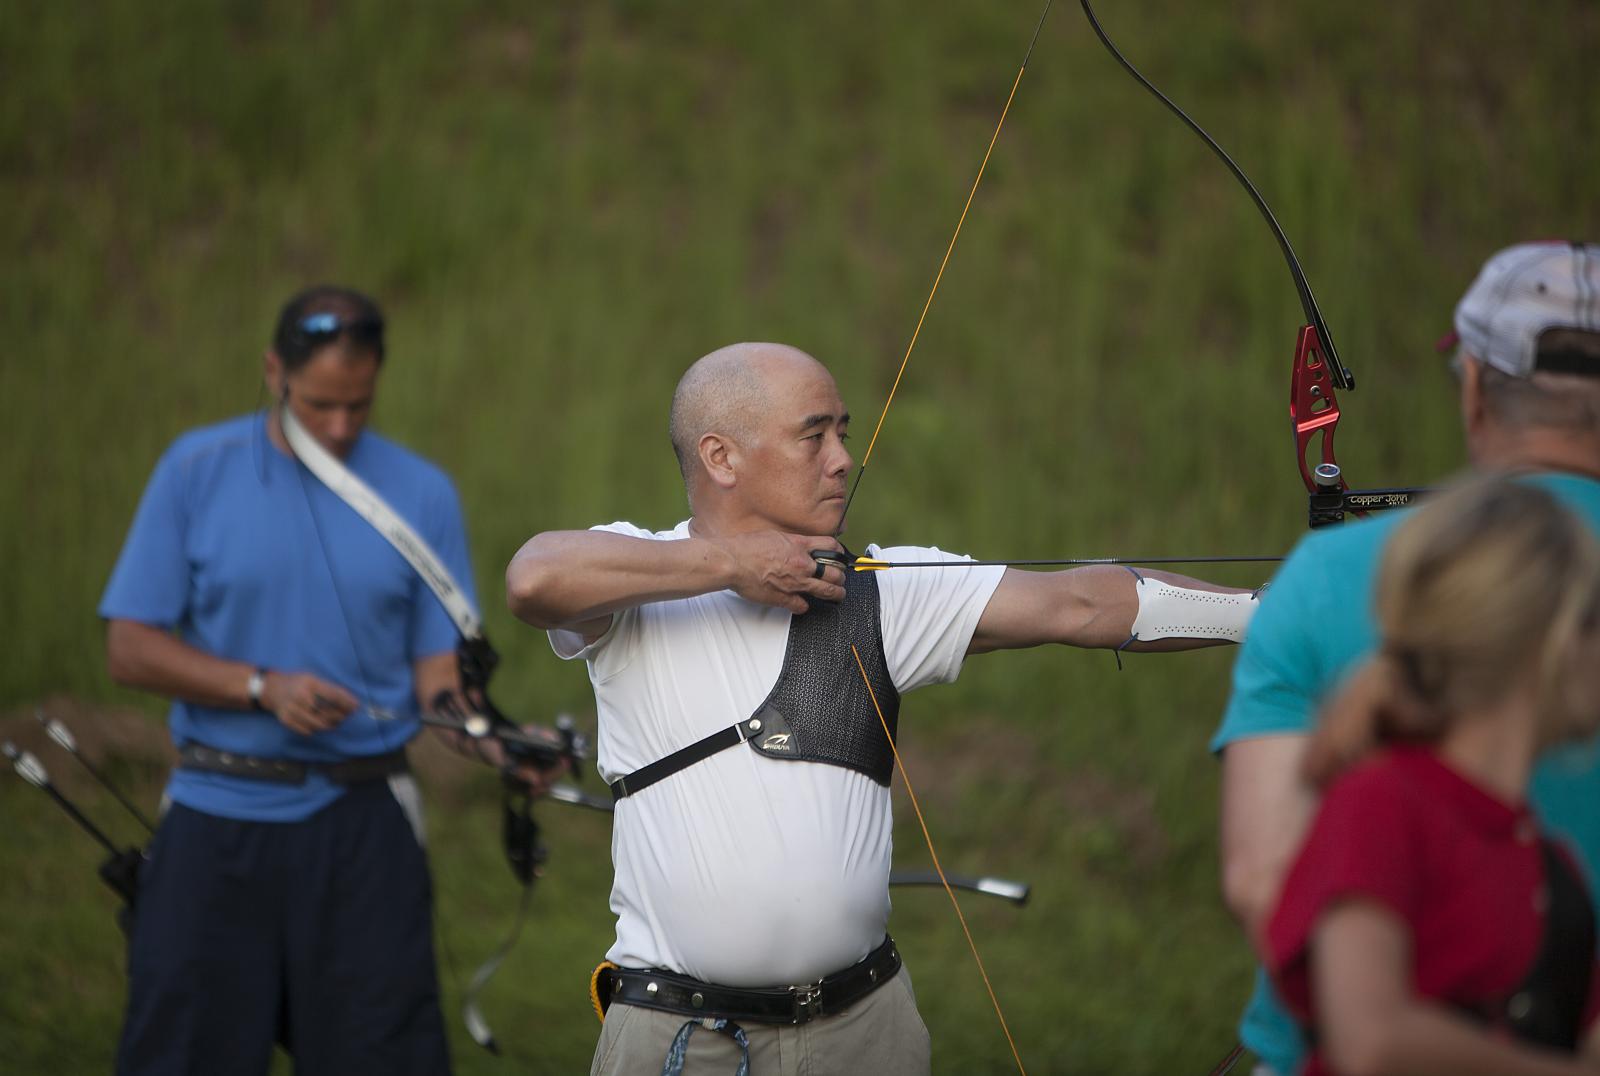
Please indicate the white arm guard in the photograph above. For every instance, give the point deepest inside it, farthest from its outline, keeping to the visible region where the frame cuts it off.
(1169, 612)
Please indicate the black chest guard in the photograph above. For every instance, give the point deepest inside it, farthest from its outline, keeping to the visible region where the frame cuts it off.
(820, 709)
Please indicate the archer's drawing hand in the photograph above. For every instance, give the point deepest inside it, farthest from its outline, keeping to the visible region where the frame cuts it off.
(775, 568)
(304, 703)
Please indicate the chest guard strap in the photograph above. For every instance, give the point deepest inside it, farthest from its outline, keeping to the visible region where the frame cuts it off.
(819, 710)
(1547, 1006)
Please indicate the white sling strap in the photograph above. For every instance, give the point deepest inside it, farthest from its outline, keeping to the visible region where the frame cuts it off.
(366, 503)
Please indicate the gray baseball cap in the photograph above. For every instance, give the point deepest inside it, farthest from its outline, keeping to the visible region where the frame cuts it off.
(1521, 292)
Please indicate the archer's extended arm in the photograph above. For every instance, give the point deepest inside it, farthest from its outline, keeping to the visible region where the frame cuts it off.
(1111, 607)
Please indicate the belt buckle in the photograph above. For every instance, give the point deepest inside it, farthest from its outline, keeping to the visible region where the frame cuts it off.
(807, 1002)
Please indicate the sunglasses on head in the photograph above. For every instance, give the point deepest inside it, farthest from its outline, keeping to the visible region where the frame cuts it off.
(323, 327)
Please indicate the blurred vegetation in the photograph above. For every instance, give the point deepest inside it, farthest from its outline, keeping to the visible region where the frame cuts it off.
(562, 207)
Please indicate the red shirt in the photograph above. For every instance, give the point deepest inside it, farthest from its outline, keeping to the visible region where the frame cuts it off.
(1461, 868)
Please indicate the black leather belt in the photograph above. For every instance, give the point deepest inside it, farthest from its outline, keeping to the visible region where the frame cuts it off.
(669, 992)
(355, 771)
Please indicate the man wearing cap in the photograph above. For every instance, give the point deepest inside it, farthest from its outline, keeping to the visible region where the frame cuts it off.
(743, 684)
(286, 895)
(1528, 365)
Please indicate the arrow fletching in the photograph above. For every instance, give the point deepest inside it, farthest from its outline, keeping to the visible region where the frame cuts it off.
(27, 767)
(58, 732)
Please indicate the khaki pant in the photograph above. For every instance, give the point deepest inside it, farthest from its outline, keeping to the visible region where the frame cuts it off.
(881, 1035)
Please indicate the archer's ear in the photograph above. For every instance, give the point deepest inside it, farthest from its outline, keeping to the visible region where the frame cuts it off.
(272, 373)
(719, 457)
(1473, 413)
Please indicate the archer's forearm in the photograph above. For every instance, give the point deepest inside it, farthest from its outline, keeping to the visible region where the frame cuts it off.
(561, 579)
(152, 659)
(1092, 607)
(1209, 617)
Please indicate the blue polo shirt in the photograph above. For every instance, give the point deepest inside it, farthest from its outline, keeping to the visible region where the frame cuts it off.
(1315, 623)
(248, 556)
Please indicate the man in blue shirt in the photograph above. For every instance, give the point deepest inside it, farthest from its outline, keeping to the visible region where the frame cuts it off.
(1529, 370)
(286, 896)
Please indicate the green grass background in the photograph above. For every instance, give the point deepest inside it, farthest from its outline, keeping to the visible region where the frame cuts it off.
(562, 205)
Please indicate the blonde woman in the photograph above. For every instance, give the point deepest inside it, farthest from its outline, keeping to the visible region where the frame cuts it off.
(1426, 926)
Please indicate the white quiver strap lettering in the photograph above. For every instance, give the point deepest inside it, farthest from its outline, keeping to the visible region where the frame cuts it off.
(1173, 612)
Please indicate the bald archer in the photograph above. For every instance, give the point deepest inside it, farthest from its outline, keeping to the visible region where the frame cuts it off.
(759, 432)
(743, 743)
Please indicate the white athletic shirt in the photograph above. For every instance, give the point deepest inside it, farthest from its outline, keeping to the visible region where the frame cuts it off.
(743, 870)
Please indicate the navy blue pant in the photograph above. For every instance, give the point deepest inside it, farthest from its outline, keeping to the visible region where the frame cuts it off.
(315, 934)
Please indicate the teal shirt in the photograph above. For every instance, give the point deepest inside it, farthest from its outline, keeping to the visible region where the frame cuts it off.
(1315, 623)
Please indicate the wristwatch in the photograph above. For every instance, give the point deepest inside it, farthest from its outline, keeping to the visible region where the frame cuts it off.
(254, 686)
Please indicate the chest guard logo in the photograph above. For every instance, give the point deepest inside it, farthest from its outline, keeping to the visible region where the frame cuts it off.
(819, 710)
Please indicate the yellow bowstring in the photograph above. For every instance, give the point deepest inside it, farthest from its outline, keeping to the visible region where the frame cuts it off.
(868, 564)
(940, 275)
(951, 893)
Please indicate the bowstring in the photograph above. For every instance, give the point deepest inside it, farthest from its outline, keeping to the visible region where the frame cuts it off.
(939, 276)
(916, 807)
(856, 485)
